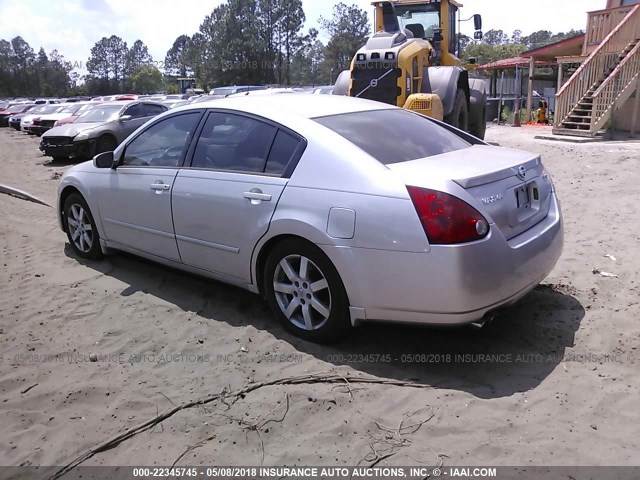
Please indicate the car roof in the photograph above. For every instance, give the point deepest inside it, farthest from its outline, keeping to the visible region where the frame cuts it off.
(295, 104)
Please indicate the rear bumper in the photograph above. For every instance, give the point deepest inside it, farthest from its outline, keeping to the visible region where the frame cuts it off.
(450, 285)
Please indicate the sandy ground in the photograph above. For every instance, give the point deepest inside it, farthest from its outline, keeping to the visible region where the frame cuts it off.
(553, 381)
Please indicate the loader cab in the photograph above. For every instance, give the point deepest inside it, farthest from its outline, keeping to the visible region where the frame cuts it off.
(433, 20)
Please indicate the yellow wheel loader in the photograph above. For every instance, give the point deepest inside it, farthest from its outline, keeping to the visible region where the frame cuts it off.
(410, 61)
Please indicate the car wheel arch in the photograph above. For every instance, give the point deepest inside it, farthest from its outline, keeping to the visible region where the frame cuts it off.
(68, 190)
(266, 246)
(64, 194)
(262, 253)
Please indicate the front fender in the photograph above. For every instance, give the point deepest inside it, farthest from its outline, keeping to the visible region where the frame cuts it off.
(478, 96)
(71, 180)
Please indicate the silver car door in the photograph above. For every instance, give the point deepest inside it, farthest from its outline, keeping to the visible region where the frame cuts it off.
(135, 201)
(223, 202)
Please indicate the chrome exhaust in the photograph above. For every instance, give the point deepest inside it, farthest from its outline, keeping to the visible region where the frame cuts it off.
(488, 318)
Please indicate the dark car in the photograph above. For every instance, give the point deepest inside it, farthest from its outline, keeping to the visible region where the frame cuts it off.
(100, 129)
(14, 119)
(15, 109)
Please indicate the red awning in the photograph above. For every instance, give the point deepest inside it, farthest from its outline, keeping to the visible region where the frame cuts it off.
(508, 63)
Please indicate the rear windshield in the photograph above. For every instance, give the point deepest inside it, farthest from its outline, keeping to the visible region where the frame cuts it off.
(394, 136)
(225, 90)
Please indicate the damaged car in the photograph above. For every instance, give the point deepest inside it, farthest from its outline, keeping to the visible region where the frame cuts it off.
(100, 129)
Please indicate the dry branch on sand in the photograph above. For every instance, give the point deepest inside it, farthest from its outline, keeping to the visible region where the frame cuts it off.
(310, 379)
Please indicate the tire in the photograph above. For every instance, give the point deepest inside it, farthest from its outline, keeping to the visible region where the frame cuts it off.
(459, 117)
(319, 314)
(81, 228)
(105, 143)
(478, 122)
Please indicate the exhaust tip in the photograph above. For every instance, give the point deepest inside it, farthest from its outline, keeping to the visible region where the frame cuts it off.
(488, 318)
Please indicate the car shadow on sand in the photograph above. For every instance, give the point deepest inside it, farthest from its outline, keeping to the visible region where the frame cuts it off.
(514, 353)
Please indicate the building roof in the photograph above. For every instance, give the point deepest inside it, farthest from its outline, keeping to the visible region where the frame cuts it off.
(564, 48)
(509, 63)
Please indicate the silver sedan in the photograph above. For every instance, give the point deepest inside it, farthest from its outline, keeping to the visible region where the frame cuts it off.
(338, 211)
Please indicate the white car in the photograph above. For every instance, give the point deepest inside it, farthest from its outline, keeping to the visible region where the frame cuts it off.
(337, 210)
(48, 120)
(27, 121)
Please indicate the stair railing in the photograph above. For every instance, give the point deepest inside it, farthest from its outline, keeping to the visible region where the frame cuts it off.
(597, 65)
(618, 86)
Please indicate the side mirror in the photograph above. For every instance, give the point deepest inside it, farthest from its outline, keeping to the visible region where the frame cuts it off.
(124, 118)
(477, 21)
(477, 35)
(437, 35)
(104, 160)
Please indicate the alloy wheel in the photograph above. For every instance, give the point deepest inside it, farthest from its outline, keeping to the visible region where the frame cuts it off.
(302, 292)
(80, 229)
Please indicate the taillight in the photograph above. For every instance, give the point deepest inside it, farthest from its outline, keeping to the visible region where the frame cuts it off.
(447, 219)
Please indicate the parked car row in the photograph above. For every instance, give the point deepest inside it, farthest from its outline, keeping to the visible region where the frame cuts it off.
(99, 129)
(80, 130)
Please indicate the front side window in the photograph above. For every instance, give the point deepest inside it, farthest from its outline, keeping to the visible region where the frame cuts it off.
(234, 142)
(135, 111)
(394, 136)
(163, 144)
(421, 20)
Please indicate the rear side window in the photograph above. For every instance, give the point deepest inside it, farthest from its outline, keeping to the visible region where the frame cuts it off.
(394, 136)
(234, 142)
(153, 110)
(284, 147)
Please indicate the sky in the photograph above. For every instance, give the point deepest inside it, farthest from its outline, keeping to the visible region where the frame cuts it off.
(73, 26)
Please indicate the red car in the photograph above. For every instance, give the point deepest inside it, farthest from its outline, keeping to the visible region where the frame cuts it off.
(13, 110)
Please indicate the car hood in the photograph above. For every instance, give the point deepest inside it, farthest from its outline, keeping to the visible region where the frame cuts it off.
(71, 129)
(54, 116)
(28, 117)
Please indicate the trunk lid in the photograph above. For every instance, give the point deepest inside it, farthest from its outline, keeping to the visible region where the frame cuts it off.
(511, 186)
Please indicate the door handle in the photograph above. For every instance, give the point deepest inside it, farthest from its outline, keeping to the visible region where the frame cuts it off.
(160, 187)
(257, 195)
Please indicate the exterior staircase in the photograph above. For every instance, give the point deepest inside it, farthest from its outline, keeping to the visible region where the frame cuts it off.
(607, 79)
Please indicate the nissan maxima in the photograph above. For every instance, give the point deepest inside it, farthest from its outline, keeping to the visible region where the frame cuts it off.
(339, 211)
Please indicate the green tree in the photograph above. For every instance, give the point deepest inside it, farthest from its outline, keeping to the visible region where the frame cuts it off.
(348, 29)
(495, 38)
(137, 56)
(147, 79)
(24, 58)
(290, 23)
(107, 65)
(490, 53)
(177, 59)
(537, 39)
(7, 66)
(41, 73)
(307, 62)
(516, 37)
